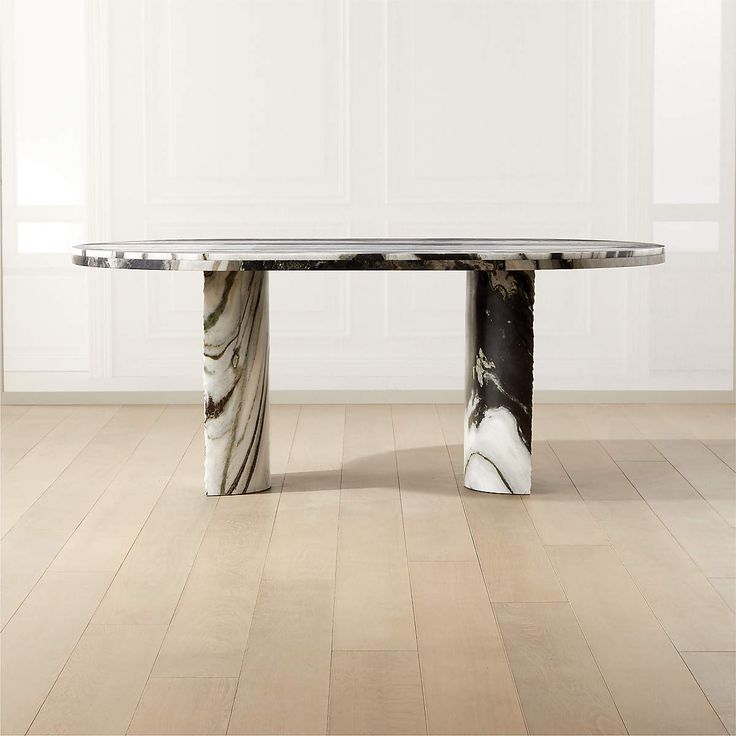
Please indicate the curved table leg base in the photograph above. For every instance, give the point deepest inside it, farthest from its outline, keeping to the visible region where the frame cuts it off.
(498, 375)
(236, 382)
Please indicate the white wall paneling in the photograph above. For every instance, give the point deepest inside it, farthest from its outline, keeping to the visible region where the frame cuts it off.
(473, 116)
(245, 101)
(328, 118)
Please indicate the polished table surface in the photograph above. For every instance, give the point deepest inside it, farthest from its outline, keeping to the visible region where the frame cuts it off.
(466, 254)
(499, 329)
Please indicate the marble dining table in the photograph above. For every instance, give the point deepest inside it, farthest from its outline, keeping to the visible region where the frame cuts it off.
(499, 329)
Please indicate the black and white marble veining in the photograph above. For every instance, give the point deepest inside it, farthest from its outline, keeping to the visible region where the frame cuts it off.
(500, 304)
(377, 254)
(498, 375)
(236, 405)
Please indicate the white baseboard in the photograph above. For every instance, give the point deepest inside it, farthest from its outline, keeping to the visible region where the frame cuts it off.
(367, 397)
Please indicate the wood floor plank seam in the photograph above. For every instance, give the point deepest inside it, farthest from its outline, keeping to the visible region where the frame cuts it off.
(707, 651)
(695, 488)
(38, 440)
(66, 465)
(173, 612)
(81, 520)
(662, 522)
(730, 462)
(687, 605)
(507, 659)
(376, 651)
(483, 576)
(262, 596)
(661, 627)
(565, 470)
(496, 704)
(199, 545)
(183, 706)
(556, 507)
(273, 523)
(459, 487)
(16, 412)
(544, 547)
(136, 496)
(560, 681)
(503, 642)
(582, 630)
(176, 677)
(715, 455)
(459, 493)
(92, 633)
(55, 423)
(640, 591)
(592, 653)
(148, 676)
(651, 609)
(485, 582)
(75, 610)
(258, 595)
(334, 579)
(729, 600)
(726, 726)
(153, 508)
(181, 592)
(373, 650)
(411, 589)
(66, 660)
(729, 727)
(551, 446)
(593, 657)
(640, 422)
(112, 578)
(454, 474)
(664, 461)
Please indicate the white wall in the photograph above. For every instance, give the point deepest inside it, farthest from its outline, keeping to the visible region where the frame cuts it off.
(493, 118)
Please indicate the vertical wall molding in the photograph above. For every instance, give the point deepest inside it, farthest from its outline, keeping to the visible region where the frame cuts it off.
(99, 178)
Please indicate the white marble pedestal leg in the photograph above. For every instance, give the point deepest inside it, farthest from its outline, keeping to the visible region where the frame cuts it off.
(498, 375)
(236, 382)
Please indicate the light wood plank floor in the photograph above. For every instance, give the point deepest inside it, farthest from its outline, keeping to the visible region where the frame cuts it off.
(368, 592)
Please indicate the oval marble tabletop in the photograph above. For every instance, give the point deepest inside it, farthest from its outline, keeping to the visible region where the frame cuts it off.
(462, 254)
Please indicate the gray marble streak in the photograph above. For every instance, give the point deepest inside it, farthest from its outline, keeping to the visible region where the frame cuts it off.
(355, 254)
(499, 374)
(236, 382)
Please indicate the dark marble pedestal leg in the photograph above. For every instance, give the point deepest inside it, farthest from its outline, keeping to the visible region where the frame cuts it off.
(498, 375)
(236, 382)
